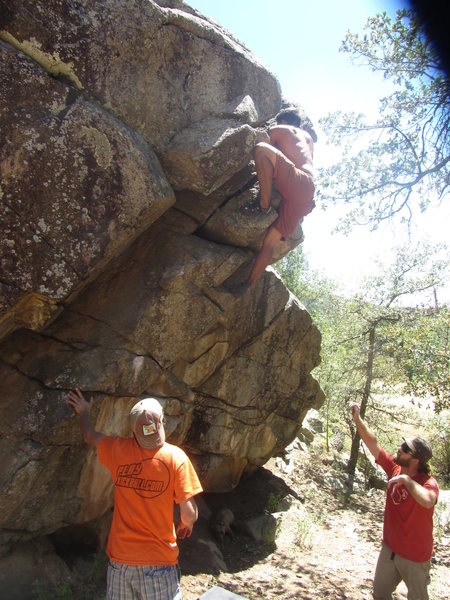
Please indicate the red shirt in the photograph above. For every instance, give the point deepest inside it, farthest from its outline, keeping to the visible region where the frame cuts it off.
(146, 484)
(408, 526)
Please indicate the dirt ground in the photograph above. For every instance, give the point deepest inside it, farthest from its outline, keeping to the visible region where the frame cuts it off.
(338, 545)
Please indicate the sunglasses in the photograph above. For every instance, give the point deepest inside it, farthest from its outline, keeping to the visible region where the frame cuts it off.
(406, 449)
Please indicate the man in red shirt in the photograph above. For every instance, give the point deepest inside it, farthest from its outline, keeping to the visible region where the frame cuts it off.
(149, 475)
(408, 518)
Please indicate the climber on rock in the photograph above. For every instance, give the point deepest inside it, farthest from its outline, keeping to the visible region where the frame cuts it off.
(287, 162)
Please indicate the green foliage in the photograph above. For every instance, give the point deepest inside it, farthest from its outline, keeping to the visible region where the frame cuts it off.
(64, 592)
(440, 443)
(306, 527)
(411, 272)
(91, 589)
(420, 347)
(398, 164)
(273, 502)
(374, 347)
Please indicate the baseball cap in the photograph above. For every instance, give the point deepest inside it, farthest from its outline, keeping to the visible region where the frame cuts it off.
(146, 418)
(419, 448)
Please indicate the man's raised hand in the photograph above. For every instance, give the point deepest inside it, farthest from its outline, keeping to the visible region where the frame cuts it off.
(354, 409)
(78, 402)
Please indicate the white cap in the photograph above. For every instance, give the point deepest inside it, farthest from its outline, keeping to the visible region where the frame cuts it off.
(146, 421)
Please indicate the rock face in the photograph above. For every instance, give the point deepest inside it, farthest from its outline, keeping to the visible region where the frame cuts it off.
(128, 204)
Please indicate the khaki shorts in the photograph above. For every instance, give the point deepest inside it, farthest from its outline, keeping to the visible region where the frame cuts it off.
(392, 568)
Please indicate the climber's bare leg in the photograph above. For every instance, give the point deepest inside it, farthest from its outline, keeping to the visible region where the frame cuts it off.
(273, 236)
(265, 159)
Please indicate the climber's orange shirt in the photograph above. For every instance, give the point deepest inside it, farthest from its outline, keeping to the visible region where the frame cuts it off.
(146, 484)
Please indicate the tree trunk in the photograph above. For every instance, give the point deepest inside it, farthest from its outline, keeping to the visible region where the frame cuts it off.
(351, 468)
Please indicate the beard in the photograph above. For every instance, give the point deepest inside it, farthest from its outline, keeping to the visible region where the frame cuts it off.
(403, 460)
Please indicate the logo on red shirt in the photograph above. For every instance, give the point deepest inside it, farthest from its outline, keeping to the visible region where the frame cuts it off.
(399, 493)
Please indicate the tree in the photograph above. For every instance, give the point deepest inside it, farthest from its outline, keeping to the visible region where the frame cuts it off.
(398, 164)
(330, 314)
(420, 348)
(370, 343)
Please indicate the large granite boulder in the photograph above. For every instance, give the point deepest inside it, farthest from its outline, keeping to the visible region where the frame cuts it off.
(128, 206)
(77, 185)
(175, 78)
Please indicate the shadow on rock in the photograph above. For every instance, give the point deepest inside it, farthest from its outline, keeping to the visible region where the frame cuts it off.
(251, 525)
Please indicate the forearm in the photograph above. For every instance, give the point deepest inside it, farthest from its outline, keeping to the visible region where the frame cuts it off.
(367, 435)
(189, 512)
(421, 495)
(261, 135)
(90, 435)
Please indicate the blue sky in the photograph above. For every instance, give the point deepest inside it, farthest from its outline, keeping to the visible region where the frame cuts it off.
(299, 41)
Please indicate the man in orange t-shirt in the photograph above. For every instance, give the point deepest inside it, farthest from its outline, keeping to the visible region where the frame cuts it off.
(149, 475)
